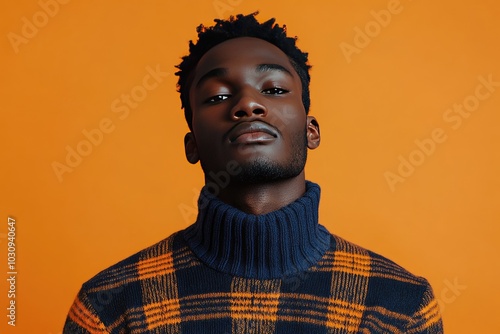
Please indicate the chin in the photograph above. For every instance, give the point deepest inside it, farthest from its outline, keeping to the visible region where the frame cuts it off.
(264, 170)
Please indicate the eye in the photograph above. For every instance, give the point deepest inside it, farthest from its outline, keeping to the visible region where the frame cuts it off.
(216, 98)
(275, 91)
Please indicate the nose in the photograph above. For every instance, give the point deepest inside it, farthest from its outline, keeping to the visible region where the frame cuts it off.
(248, 104)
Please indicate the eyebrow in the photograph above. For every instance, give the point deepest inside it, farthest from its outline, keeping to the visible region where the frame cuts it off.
(215, 73)
(273, 67)
(221, 72)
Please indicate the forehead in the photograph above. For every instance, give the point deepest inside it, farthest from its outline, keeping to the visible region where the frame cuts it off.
(241, 52)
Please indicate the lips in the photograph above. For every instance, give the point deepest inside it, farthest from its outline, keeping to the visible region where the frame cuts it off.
(252, 132)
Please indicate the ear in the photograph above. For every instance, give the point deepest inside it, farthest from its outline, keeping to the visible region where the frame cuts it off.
(313, 137)
(190, 148)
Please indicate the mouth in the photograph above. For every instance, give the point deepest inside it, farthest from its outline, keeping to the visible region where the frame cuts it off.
(255, 132)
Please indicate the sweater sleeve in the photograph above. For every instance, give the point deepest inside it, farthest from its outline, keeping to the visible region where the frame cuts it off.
(427, 318)
(82, 318)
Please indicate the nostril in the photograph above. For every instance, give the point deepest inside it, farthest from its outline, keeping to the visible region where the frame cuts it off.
(240, 113)
(259, 111)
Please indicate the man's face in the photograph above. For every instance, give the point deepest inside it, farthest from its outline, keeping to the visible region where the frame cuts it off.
(247, 107)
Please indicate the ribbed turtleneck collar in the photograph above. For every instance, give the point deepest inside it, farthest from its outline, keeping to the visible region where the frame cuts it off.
(277, 244)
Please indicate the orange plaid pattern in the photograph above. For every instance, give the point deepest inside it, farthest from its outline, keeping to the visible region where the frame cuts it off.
(166, 289)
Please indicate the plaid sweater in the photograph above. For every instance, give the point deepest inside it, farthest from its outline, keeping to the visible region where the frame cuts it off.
(235, 273)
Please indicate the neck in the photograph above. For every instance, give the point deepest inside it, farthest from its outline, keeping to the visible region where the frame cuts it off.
(262, 198)
(276, 244)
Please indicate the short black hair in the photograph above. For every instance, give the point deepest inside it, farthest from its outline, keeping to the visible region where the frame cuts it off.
(240, 26)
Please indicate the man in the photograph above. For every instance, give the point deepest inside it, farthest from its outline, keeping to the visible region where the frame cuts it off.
(256, 260)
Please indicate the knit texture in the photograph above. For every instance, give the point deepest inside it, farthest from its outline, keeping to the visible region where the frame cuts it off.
(280, 243)
(235, 273)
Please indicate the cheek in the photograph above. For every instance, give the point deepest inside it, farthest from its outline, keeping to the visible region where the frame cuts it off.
(285, 114)
(208, 137)
(292, 123)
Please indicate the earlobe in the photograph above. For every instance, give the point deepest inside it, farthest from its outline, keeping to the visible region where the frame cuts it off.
(313, 136)
(190, 148)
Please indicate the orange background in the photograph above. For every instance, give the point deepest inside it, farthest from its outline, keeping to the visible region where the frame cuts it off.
(441, 222)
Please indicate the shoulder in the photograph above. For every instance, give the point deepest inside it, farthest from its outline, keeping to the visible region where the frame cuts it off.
(133, 268)
(390, 293)
(105, 298)
(371, 263)
(388, 285)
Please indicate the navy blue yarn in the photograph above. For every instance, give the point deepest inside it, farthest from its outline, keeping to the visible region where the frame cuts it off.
(274, 245)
